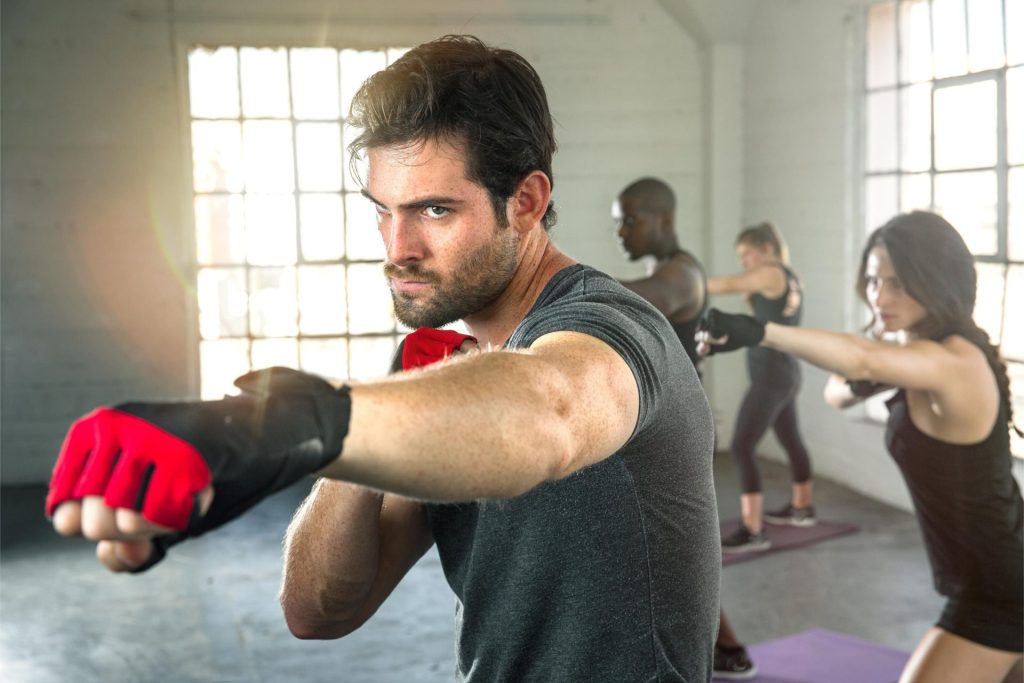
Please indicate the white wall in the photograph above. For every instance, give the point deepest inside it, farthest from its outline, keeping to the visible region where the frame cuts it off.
(97, 233)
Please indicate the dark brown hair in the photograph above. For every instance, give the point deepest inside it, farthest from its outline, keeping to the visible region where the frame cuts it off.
(456, 89)
(936, 269)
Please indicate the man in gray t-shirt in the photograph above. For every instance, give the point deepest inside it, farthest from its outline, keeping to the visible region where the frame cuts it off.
(611, 573)
(564, 472)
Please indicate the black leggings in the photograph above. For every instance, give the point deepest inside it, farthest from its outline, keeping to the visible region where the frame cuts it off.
(770, 401)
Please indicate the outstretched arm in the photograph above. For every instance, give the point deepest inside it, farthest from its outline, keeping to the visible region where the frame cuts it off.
(492, 425)
(769, 280)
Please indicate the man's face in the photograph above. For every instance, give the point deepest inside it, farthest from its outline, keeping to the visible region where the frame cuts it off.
(635, 226)
(447, 255)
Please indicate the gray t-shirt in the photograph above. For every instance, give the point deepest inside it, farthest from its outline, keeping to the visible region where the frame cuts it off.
(612, 573)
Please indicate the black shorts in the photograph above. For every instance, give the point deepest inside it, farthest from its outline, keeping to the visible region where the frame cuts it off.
(993, 623)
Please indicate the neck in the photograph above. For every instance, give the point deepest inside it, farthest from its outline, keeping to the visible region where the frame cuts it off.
(539, 262)
(665, 249)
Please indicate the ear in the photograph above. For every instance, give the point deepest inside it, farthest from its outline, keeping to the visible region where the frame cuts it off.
(528, 203)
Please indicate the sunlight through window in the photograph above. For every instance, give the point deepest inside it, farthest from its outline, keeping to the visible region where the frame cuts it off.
(289, 259)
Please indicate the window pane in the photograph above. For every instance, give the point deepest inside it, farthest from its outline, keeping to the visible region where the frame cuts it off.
(216, 156)
(220, 229)
(949, 30)
(915, 41)
(272, 306)
(916, 128)
(396, 53)
(315, 83)
(220, 362)
(319, 153)
(881, 201)
(321, 218)
(881, 42)
(1015, 115)
(363, 239)
(325, 357)
(1013, 321)
(985, 23)
(222, 302)
(265, 82)
(213, 83)
(371, 357)
(356, 67)
(965, 126)
(322, 300)
(1015, 39)
(370, 307)
(968, 201)
(268, 156)
(915, 192)
(1016, 218)
(270, 229)
(988, 308)
(882, 131)
(268, 353)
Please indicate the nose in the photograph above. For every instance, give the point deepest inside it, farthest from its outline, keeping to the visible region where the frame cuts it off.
(402, 240)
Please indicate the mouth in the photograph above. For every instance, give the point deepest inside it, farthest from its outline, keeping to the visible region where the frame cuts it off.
(408, 286)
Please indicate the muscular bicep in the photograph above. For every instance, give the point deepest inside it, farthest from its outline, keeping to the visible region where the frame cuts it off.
(599, 396)
(675, 288)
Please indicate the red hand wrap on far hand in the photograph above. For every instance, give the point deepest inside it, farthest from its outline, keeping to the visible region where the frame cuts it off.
(426, 346)
(115, 455)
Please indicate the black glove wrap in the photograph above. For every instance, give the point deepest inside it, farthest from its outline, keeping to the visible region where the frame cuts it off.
(285, 425)
(741, 330)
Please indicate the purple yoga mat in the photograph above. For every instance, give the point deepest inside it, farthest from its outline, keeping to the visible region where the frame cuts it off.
(820, 656)
(787, 537)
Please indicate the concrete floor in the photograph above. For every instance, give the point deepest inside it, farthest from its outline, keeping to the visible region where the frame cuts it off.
(210, 613)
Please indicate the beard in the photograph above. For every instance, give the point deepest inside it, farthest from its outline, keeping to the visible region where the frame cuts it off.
(482, 276)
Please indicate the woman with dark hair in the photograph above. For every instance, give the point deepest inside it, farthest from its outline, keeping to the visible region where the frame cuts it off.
(774, 293)
(948, 432)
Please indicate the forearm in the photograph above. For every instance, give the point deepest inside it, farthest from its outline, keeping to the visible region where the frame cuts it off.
(844, 354)
(331, 555)
(488, 426)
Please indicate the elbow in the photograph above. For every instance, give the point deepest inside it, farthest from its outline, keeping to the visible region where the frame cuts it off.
(308, 621)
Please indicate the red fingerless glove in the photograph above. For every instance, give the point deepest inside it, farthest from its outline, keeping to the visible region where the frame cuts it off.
(90, 459)
(156, 457)
(426, 346)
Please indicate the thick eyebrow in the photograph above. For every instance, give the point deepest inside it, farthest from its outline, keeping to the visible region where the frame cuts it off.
(419, 203)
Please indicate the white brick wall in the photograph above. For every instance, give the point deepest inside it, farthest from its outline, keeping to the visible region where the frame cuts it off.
(97, 256)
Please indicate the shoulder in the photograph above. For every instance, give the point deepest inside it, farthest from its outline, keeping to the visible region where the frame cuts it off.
(964, 351)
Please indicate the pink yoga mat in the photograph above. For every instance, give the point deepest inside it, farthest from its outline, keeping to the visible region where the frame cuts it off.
(788, 537)
(820, 656)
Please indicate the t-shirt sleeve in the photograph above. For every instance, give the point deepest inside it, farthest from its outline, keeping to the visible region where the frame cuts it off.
(629, 325)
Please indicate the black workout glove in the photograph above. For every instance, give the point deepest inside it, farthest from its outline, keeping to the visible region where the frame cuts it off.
(865, 388)
(157, 457)
(741, 330)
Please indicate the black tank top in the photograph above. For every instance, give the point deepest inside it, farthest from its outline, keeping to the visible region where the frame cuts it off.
(787, 309)
(687, 331)
(968, 505)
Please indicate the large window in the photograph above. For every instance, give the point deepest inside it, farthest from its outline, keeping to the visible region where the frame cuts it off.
(944, 107)
(288, 255)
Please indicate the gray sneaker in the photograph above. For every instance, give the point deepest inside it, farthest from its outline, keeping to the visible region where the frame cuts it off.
(743, 540)
(793, 516)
